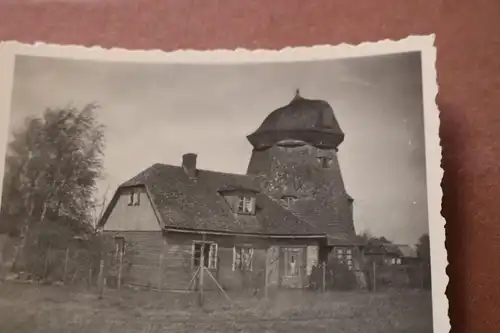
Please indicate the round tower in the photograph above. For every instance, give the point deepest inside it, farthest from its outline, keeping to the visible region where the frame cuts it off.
(295, 157)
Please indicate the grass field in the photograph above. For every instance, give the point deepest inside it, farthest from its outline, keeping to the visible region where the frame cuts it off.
(42, 309)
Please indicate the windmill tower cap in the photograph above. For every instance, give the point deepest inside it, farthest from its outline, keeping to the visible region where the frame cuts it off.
(302, 119)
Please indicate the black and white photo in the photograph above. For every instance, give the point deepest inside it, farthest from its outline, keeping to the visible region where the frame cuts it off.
(221, 191)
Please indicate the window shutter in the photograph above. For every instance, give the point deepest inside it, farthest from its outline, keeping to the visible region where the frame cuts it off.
(212, 261)
(234, 258)
(241, 205)
(252, 204)
(192, 254)
(251, 260)
(216, 255)
(210, 254)
(116, 249)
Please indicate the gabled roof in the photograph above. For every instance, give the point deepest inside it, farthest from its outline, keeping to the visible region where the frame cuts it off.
(407, 251)
(379, 247)
(197, 204)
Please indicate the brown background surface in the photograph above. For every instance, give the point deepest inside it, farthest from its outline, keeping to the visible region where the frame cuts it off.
(468, 65)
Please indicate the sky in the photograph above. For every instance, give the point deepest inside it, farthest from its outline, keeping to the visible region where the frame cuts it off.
(154, 113)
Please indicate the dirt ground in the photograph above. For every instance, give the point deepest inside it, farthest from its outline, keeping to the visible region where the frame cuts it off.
(42, 309)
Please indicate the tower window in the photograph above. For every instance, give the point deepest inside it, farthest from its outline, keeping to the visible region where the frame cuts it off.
(288, 200)
(324, 162)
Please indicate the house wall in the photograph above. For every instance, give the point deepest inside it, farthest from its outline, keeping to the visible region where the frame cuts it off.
(125, 217)
(147, 247)
(139, 226)
(179, 268)
(166, 262)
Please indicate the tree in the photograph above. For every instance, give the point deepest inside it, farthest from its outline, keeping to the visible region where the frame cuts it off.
(424, 248)
(52, 165)
(367, 238)
(424, 254)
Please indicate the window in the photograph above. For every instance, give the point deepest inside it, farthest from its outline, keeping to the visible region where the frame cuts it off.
(324, 161)
(396, 261)
(119, 246)
(135, 198)
(245, 205)
(243, 258)
(344, 256)
(209, 254)
(288, 200)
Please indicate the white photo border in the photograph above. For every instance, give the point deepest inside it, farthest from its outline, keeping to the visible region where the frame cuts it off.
(423, 44)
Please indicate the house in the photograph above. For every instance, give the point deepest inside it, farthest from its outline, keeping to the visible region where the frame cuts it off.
(408, 255)
(386, 253)
(383, 253)
(392, 265)
(287, 214)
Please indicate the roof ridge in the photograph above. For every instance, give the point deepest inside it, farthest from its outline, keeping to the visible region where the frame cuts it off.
(177, 167)
(206, 170)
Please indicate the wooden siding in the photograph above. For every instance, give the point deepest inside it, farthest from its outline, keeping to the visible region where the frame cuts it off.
(125, 217)
(147, 247)
(180, 268)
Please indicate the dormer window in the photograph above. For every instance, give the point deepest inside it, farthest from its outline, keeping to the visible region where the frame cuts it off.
(245, 205)
(134, 198)
(241, 200)
(288, 200)
(324, 162)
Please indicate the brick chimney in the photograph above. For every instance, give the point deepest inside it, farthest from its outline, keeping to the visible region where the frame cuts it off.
(189, 164)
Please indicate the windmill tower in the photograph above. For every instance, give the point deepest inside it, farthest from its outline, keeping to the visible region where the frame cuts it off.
(295, 158)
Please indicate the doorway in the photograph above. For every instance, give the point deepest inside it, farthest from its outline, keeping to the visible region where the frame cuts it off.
(293, 267)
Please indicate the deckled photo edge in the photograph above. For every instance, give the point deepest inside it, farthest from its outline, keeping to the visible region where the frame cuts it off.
(424, 44)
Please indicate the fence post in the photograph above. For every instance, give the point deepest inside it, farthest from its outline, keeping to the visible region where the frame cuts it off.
(201, 273)
(101, 278)
(160, 271)
(374, 275)
(66, 265)
(120, 265)
(90, 275)
(266, 273)
(47, 255)
(422, 275)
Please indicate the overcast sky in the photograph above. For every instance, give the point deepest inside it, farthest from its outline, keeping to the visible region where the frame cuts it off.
(155, 113)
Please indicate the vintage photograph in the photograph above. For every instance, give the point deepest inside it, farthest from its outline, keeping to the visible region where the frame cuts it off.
(221, 191)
